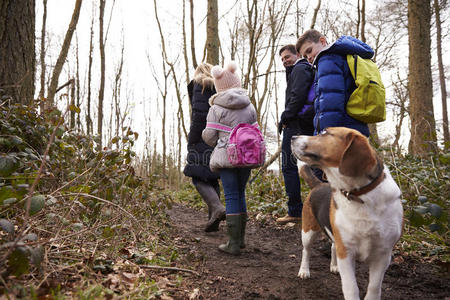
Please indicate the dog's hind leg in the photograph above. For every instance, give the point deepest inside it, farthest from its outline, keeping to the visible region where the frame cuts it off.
(310, 229)
(307, 241)
(377, 268)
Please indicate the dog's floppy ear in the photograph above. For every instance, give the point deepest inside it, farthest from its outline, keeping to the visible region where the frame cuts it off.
(358, 157)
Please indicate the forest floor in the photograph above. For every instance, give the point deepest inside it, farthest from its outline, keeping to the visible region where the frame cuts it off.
(268, 266)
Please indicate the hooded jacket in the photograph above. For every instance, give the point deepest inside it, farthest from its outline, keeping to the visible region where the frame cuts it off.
(230, 108)
(299, 79)
(334, 84)
(200, 89)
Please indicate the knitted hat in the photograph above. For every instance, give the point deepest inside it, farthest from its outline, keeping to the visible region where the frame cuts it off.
(227, 78)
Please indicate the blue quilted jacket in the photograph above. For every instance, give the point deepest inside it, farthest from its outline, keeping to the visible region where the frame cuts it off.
(334, 84)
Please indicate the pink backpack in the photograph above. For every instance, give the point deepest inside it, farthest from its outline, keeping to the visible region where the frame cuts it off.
(246, 146)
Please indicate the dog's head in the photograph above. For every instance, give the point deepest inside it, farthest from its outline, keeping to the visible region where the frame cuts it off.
(339, 147)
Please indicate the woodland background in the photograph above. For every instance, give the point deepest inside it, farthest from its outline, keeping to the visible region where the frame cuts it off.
(93, 128)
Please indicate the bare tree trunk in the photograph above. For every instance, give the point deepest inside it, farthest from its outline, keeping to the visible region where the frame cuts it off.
(77, 84)
(117, 91)
(89, 125)
(374, 137)
(358, 20)
(163, 92)
(441, 74)
(194, 59)
(316, 11)
(185, 52)
(212, 33)
(17, 49)
(101, 90)
(63, 54)
(423, 130)
(401, 98)
(42, 56)
(234, 36)
(72, 104)
(363, 20)
(179, 131)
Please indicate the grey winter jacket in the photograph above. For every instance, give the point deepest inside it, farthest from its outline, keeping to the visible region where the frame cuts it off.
(230, 108)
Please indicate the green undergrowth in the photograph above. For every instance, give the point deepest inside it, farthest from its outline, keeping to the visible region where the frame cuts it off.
(92, 224)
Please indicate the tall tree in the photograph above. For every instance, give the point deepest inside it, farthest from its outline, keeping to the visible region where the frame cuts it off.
(17, 49)
(423, 130)
(185, 51)
(63, 54)
(89, 125)
(191, 11)
(42, 54)
(362, 25)
(163, 91)
(437, 12)
(212, 33)
(316, 11)
(101, 90)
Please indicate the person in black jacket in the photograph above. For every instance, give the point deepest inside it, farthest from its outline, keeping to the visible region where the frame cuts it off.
(296, 119)
(200, 89)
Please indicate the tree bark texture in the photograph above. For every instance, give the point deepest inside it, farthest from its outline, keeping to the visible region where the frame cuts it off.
(194, 59)
(42, 54)
(185, 51)
(212, 33)
(316, 11)
(101, 90)
(17, 49)
(423, 131)
(63, 54)
(89, 125)
(441, 74)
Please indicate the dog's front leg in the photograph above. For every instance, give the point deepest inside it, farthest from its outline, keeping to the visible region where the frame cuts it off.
(333, 263)
(348, 279)
(377, 268)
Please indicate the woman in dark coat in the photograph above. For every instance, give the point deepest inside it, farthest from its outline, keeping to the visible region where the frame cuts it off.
(200, 89)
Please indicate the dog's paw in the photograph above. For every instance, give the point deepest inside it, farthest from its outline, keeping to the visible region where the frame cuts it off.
(303, 273)
(334, 269)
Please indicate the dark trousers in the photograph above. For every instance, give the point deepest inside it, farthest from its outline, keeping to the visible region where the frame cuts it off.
(290, 171)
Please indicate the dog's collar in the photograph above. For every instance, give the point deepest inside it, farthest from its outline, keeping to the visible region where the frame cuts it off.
(354, 194)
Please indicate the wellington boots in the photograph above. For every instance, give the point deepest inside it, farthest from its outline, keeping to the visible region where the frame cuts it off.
(234, 234)
(243, 224)
(216, 216)
(216, 210)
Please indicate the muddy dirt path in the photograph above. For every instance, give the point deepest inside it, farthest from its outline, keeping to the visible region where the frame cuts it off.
(267, 268)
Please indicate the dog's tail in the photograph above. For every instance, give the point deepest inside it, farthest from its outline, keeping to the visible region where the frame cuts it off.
(307, 174)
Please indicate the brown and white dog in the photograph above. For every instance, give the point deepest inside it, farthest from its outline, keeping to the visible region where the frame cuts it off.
(360, 209)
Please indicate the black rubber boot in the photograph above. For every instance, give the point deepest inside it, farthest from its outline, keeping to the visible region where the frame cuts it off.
(244, 219)
(234, 234)
(216, 210)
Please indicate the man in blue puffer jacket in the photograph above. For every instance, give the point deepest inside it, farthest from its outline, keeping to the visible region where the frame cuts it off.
(333, 81)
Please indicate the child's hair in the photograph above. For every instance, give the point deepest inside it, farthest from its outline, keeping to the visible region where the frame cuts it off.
(289, 47)
(310, 35)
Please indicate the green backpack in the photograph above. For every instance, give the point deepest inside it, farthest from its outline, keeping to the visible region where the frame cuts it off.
(367, 103)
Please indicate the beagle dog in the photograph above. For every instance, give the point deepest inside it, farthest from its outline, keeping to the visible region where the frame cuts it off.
(359, 208)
